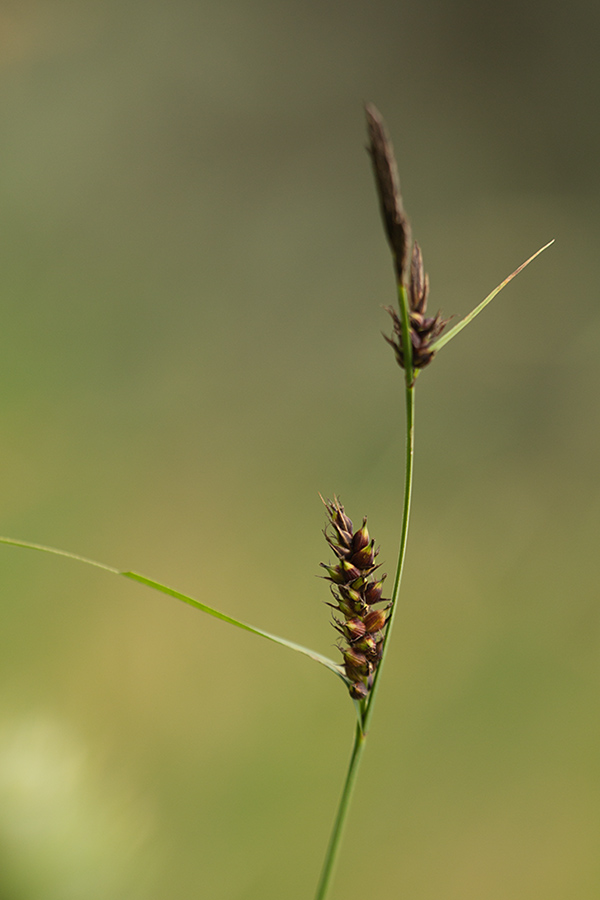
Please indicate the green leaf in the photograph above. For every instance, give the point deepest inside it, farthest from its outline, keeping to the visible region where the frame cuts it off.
(157, 586)
(443, 340)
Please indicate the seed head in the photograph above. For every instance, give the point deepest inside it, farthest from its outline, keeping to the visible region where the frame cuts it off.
(423, 329)
(390, 200)
(357, 595)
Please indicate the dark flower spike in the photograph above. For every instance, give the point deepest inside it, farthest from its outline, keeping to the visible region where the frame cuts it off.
(390, 200)
(357, 592)
(424, 330)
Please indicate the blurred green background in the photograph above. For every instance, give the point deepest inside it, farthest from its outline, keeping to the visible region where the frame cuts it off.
(192, 276)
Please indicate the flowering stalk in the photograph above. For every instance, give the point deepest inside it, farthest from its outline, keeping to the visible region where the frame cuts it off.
(365, 627)
(363, 618)
(413, 333)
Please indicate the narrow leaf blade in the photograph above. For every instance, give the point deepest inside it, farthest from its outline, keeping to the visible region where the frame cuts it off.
(163, 588)
(445, 338)
(30, 546)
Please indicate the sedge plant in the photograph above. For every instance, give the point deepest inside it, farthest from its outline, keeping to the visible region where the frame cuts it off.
(362, 616)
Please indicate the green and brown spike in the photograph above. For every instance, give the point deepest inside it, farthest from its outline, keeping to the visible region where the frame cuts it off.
(357, 594)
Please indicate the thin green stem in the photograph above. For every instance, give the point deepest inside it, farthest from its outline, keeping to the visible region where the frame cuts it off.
(362, 726)
(408, 481)
(340, 819)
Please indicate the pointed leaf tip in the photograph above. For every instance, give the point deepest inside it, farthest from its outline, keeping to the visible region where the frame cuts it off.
(445, 338)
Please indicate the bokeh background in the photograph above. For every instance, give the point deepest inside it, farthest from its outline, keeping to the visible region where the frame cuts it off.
(192, 275)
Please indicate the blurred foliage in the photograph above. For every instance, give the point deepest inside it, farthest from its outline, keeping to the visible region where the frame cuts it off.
(193, 271)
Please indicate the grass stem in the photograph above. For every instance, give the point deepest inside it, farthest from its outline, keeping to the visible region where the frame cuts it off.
(410, 438)
(408, 482)
(360, 735)
(342, 813)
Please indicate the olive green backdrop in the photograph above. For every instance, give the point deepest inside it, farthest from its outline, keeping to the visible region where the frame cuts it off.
(192, 274)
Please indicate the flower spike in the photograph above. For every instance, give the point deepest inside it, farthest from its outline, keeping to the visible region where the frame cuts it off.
(357, 594)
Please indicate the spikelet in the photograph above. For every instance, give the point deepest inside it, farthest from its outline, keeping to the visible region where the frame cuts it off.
(361, 611)
(423, 329)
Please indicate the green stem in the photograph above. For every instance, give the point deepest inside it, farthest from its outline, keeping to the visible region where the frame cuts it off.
(408, 480)
(340, 820)
(360, 735)
(410, 375)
